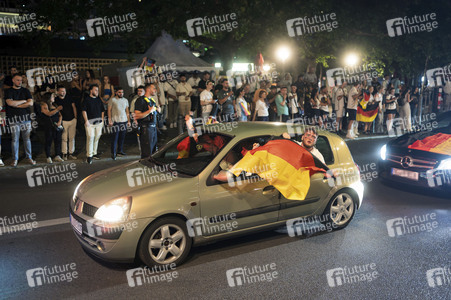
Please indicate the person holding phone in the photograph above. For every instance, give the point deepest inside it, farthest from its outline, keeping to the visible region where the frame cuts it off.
(391, 102)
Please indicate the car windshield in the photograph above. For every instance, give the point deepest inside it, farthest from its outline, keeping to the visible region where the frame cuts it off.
(190, 154)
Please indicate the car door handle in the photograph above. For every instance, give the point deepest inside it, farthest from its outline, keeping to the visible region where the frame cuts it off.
(268, 189)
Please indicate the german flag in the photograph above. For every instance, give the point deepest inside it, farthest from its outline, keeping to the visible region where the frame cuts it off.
(438, 143)
(367, 112)
(284, 164)
(199, 144)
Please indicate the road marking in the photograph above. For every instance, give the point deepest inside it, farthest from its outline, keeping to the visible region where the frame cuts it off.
(52, 222)
(40, 224)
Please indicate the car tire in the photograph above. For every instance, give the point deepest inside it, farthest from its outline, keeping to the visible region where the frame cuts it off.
(165, 241)
(340, 210)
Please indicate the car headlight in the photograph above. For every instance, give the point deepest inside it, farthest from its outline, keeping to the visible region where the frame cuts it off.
(445, 164)
(383, 152)
(115, 210)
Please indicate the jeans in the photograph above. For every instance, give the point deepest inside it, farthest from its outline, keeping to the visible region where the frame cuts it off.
(93, 133)
(164, 112)
(263, 119)
(118, 137)
(70, 127)
(52, 135)
(23, 129)
(283, 118)
(147, 140)
(172, 112)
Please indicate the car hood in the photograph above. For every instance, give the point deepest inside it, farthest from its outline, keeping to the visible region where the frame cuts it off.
(123, 180)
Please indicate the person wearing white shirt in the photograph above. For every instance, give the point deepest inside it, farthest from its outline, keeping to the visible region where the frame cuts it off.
(261, 108)
(352, 109)
(169, 87)
(194, 83)
(380, 116)
(339, 97)
(184, 93)
(295, 108)
(206, 100)
(119, 120)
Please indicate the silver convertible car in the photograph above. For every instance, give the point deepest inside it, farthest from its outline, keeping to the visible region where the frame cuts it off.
(158, 208)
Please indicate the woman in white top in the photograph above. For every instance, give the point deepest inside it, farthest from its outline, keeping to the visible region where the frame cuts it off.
(404, 110)
(390, 105)
(242, 107)
(380, 115)
(261, 108)
(206, 100)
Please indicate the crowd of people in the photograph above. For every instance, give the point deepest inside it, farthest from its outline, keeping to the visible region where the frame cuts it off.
(89, 105)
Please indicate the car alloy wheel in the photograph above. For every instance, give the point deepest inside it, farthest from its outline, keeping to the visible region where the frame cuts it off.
(166, 241)
(340, 210)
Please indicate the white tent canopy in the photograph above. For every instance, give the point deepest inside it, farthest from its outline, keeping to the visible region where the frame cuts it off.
(169, 55)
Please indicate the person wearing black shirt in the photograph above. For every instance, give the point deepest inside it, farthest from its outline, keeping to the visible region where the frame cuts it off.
(69, 113)
(146, 114)
(8, 82)
(18, 116)
(51, 122)
(93, 113)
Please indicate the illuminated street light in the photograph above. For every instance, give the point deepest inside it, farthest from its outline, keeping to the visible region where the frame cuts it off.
(351, 59)
(283, 53)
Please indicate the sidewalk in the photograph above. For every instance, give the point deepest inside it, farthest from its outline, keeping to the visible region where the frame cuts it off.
(37, 145)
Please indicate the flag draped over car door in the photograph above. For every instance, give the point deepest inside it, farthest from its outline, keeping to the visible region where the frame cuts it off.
(284, 164)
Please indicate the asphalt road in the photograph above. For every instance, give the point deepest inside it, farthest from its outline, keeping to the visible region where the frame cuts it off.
(388, 267)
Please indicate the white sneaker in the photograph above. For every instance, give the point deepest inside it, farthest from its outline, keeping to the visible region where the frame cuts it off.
(49, 160)
(171, 125)
(58, 158)
(1, 163)
(72, 157)
(175, 124)
(164, 127)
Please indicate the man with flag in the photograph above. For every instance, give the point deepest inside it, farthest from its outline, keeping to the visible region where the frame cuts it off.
(367, 109)
(293, 162)
(146, 114)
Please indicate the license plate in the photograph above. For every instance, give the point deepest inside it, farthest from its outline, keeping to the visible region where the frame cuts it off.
(76, 225)
(404, 173)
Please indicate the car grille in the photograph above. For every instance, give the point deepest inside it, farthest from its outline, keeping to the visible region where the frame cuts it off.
(89, 210)
(412, 162)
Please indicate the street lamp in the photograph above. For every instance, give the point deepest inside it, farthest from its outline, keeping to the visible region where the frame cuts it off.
(351, 59)
(283, 53)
